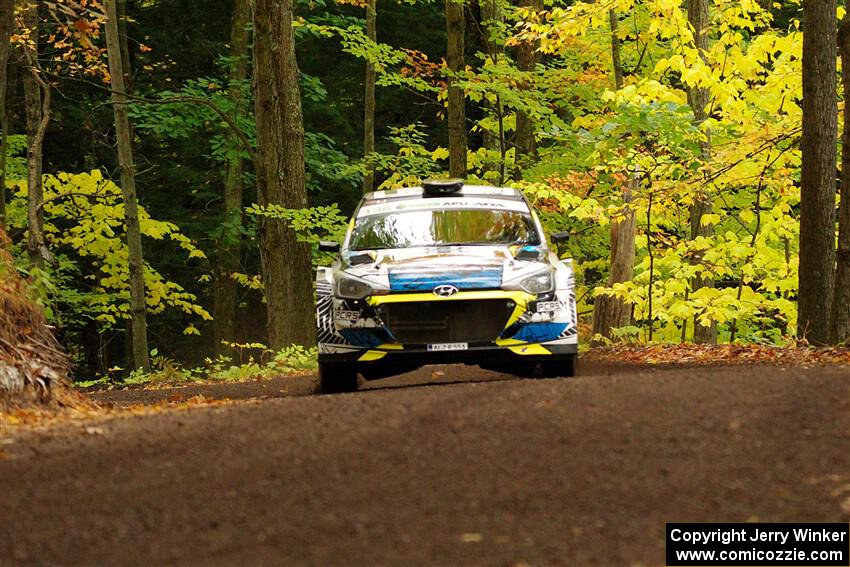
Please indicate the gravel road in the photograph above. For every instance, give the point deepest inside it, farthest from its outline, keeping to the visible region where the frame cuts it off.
(477, 470)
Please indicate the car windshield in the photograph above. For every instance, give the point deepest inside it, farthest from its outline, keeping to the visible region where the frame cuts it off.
(443, 228)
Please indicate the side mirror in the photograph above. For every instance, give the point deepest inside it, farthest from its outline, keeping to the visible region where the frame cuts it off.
(560, 237)
(328, 246)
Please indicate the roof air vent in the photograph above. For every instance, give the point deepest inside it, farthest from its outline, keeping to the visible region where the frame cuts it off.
(441, 187)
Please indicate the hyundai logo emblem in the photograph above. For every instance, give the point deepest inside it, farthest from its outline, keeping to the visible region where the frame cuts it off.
(445, 290)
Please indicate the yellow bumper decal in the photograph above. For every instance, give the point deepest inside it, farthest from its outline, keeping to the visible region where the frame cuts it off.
(529, 349)
(517, 296)
(510, 342)
(371, 355)
(515, 346)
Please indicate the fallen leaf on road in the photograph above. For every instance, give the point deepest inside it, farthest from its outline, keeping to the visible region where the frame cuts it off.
(845, 506)
(675, 354)
(89, 411)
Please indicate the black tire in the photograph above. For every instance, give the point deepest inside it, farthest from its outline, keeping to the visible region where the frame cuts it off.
(336, 379)
(560, 368)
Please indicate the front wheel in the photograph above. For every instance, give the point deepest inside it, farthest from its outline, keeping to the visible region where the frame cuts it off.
(561, 368)
(336, 378)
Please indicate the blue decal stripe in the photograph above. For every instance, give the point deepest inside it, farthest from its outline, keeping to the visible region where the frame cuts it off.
(479, 279)
(539, 332)
(366, 337)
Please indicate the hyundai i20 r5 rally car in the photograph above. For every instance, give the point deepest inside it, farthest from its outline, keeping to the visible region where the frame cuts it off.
(444, 273)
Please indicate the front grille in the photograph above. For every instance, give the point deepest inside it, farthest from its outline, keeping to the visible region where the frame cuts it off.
(460, 321)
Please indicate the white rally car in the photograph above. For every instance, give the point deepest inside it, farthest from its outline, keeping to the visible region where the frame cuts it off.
(444, 273)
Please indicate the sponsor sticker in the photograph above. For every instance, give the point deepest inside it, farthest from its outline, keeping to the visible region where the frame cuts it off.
(544, 306)
(448, 346)
(351, 316)
(434, 204)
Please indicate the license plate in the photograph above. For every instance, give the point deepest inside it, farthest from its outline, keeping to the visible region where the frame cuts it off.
(448, 346)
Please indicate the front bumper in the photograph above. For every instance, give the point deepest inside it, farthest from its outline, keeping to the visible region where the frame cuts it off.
(383, 362)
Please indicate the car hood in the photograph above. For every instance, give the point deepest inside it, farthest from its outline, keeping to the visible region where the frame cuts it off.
(464, 267)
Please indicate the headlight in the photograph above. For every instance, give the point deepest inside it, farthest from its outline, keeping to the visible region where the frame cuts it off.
(350, 287)
(541, 282)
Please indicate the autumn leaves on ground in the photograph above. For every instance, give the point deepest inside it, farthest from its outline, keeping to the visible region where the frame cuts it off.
(63, 405)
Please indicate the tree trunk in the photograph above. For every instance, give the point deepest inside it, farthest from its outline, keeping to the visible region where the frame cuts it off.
(287, 270)
(128, 190)
(225, 288)
(37, 96)
(817, 184)
(840, 322)
(611, 312)
(125, 45)
(492, 15)
(615, 50)
(526, 60)
(369, 101)
(7, 9)
(455, 27)
(698, 100)
(651, 254)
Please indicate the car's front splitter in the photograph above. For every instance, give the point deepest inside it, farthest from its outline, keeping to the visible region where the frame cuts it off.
(377, 361)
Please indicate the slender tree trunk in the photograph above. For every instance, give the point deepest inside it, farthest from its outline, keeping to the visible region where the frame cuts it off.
(698, 100)
(287, 270)
(128, 189)
(455, 27)
(503, 148)
(7, 9)
(225, 288)
(125, 45)
(37, 95)
(369, 100)
(611, 312)
(526, 60)
(840, 323)
(651, 255)
(615, 50)
(817, 184)
(491, 16)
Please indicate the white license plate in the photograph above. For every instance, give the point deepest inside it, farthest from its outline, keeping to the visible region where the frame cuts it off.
(448, 346)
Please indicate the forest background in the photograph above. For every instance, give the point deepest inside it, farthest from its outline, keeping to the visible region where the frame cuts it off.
(669, 138)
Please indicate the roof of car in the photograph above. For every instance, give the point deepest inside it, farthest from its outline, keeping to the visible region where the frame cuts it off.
(466, 191)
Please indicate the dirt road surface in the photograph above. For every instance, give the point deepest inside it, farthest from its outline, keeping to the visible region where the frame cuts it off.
(477, 470)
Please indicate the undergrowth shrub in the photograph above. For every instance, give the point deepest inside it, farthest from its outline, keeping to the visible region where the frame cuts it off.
(250, 361)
